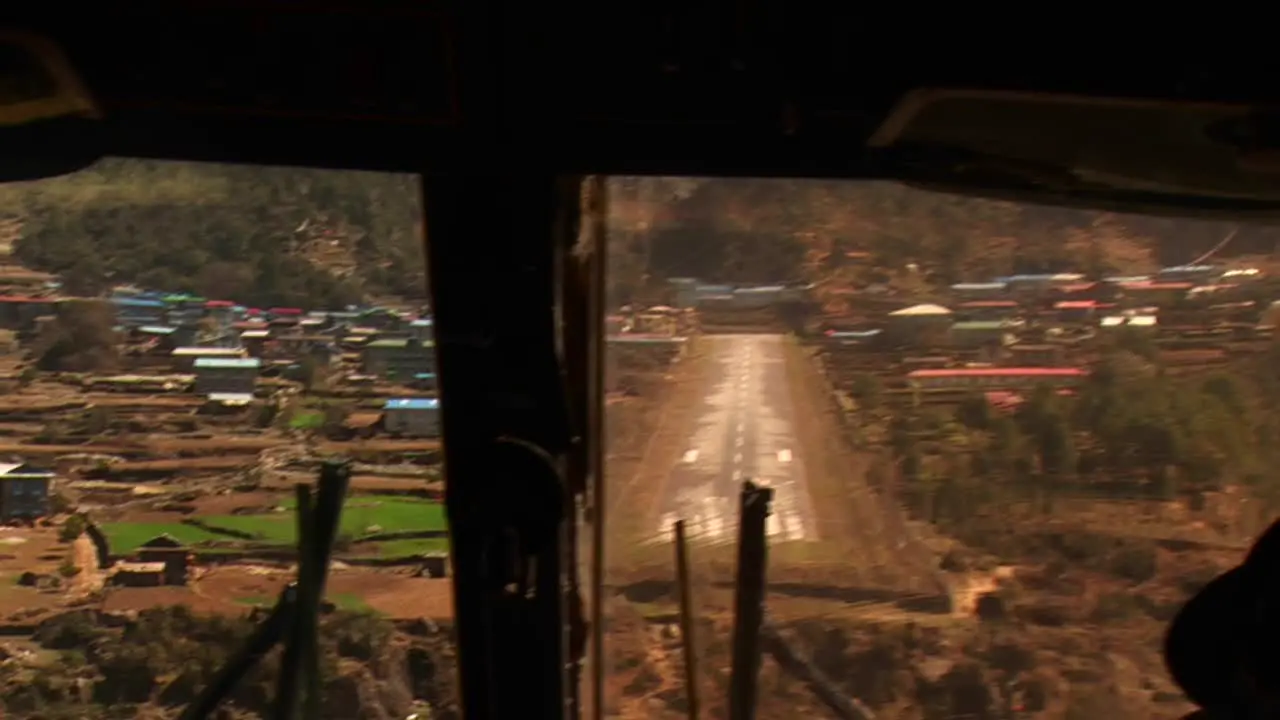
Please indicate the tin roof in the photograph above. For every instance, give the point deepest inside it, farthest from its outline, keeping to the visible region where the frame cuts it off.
(981, 325)
(412, 404)
(140, 567)
(138, 303)
(1000, 372)
(22, 470)
(217, 362)
(922, 310)
(853, 333)
(197, 352)
(231, 398)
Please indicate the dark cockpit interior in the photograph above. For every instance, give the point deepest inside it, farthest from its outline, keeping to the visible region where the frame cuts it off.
(509, 110)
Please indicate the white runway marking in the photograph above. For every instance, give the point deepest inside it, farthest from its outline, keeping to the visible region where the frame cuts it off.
(745, 403)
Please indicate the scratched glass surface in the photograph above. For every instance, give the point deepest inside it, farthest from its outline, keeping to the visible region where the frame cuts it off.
(180, 345)
(1003, 445)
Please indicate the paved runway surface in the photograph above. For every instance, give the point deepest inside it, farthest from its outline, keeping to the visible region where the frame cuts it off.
(744, 431)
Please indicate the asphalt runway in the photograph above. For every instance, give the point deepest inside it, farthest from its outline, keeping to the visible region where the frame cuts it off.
(745, 430)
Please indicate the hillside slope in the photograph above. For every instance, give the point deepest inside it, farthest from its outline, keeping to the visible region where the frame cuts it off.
(266, 236)
(289, 236)
(851, 232)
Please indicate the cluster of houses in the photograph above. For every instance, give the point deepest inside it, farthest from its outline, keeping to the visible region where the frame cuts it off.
(1024, 330)
(220, 349)
(227, 346)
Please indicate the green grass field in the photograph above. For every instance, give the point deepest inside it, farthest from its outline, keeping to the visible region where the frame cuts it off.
(403, 548)
(124, 538)
(390, 513)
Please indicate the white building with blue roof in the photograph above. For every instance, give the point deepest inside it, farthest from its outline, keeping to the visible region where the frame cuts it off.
(236, 376)
(412, 417)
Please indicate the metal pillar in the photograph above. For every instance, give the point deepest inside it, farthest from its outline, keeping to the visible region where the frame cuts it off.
(494, 246)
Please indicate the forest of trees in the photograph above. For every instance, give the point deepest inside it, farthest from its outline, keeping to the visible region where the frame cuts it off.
(761, 231)
(1133, 430)
(289, 236)
(224, 231)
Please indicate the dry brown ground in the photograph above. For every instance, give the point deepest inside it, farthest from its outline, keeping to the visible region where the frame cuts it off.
(224, 445)
(28, 549)
(648, 433)
(232, 589)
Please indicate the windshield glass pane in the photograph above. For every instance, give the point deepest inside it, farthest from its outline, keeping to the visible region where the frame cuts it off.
(1005, 442)
(180, 345)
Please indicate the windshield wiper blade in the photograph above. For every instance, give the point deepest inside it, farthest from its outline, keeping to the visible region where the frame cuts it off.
(295, 617)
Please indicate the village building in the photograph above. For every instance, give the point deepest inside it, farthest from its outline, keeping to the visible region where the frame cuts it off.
(979, 291)
(184, 309)
(222, 312)
(424, 381)
(137, 311)
(1076, 311)
(986, 310)
(24, 491)
(1003, 378)
(227, 375)
(918, 324)
(1039, 284)
(1137, 294)
(19, 312)
(422, 330)
(185, 358)
(412, 417)
(1136, 322)
(1189, 273)
(138, 574)
(135, 383)
(318, 348)
(399, 358)
(172, 555)
(227, 402)
(166, 338)
(1036, 355)
(255, 341)
(997, 333)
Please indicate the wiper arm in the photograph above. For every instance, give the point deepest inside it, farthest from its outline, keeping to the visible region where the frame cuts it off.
(295, 617)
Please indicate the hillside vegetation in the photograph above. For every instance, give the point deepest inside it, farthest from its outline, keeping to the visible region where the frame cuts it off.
(842, 233)
(290, 236)
(264, 236)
